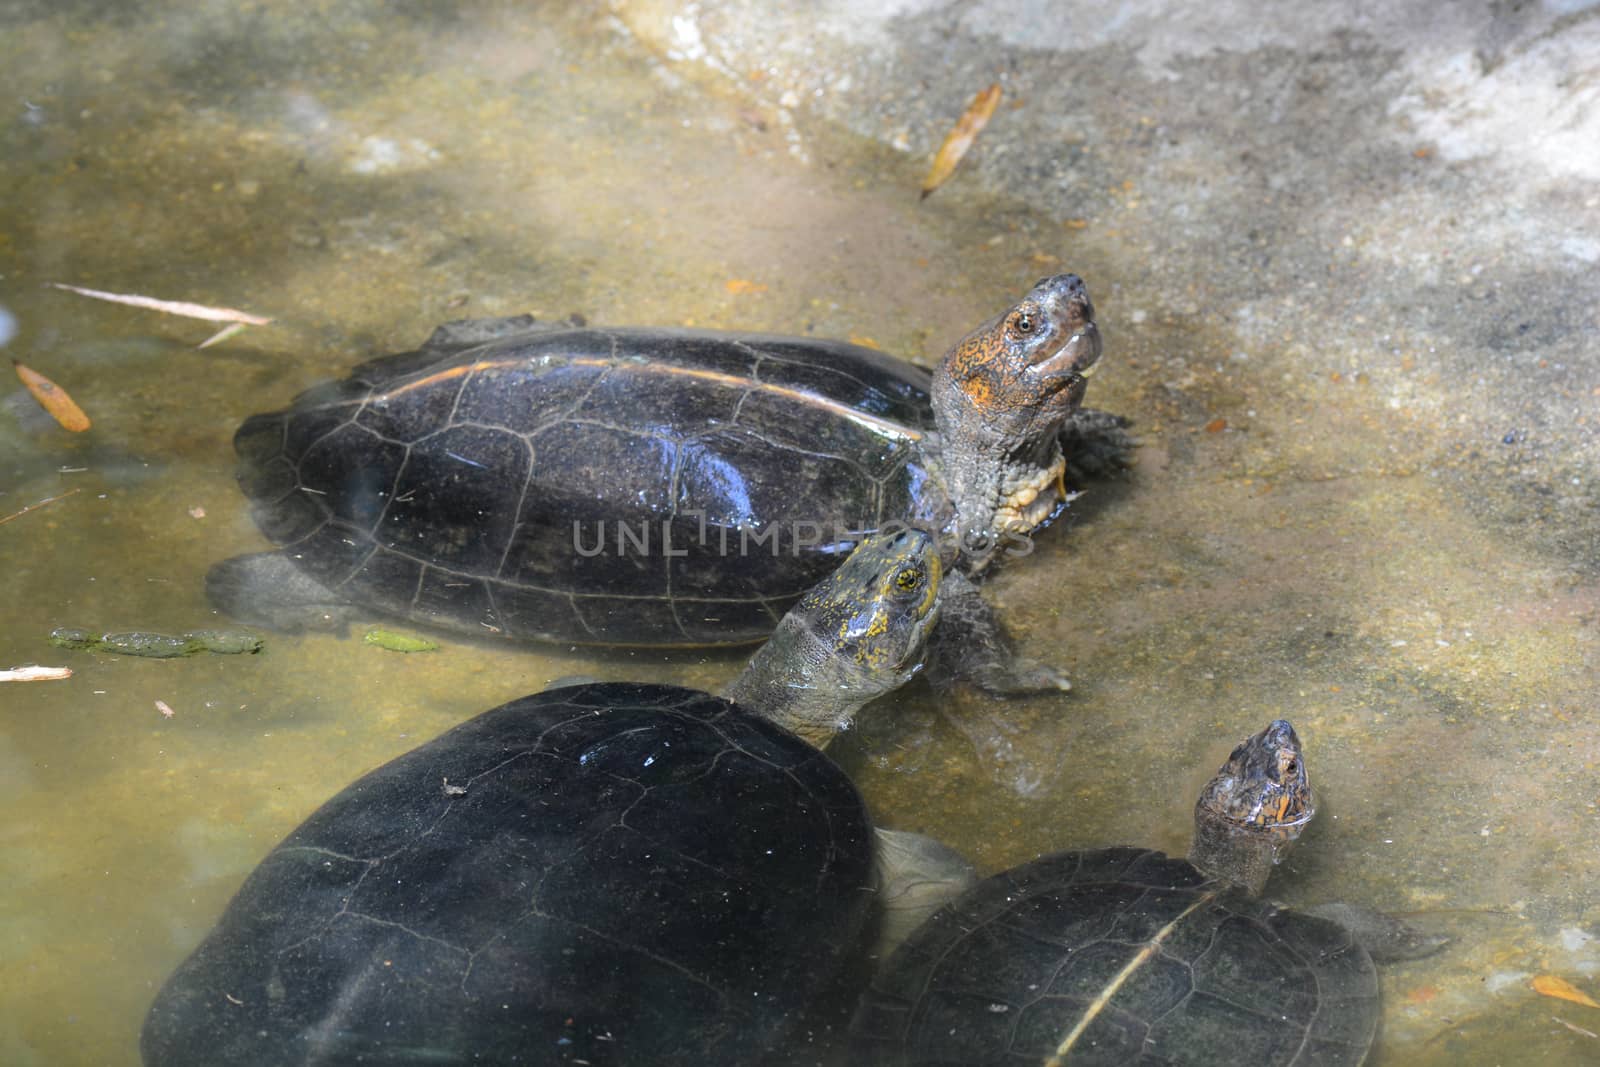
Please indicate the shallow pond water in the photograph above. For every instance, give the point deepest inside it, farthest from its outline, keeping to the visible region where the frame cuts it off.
(1296, 539)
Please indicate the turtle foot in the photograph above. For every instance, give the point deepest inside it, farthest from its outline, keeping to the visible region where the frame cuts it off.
(468, 333)
(1097, 445)
(971, 646)
(267, 589)
(915, 876)
(1385, 938)
(1005, 738)
(1021, 677)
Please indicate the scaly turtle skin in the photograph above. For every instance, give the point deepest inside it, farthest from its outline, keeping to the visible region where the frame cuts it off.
(1126, 956)
(602, 873)
(648, 487)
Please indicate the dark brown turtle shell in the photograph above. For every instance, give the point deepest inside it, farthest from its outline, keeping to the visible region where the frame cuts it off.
(539, 486)
(602, 874)
(1114, 957)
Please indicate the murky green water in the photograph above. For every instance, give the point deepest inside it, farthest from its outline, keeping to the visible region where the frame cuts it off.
(361, 173)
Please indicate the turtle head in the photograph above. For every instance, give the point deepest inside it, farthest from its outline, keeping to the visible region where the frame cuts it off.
(1000, 396)
(876, 611)
(1253, 808)
(860, 633)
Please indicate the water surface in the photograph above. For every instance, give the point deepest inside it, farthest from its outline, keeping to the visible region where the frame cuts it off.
(1297, 538)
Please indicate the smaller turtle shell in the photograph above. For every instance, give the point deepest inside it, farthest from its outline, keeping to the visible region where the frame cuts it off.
(599, 874)
(1167, 967)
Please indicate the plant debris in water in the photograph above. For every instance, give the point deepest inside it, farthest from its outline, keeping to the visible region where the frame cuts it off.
(53, 399)
(35, 674)
(237, 319)
(960, 137)
(36, 506)
(397, 642)
(1551, 986)
(158, 646)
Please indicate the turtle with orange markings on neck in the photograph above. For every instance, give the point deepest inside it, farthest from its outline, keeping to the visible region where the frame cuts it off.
(662, 487)
(1112, 956)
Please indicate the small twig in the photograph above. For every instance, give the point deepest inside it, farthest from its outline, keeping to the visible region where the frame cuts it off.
(35, 674)
(222, 334)
(1575, 1029)
(171, 307)
(35, 507)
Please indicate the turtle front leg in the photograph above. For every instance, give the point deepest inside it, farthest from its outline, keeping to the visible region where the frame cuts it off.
(1097, 444)
(1386, 938)
(914, 875)
(267, 589)
(970, 645)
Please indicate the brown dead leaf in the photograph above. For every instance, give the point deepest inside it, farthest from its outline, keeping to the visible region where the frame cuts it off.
(1551, 986)
(53, 399)
(739, 286)
(961, 136)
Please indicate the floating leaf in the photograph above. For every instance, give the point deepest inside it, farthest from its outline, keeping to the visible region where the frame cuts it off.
(960, 138)
(1551, 986)
(398, 642)
(53, 399)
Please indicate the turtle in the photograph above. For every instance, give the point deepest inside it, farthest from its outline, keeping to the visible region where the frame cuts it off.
(600, 873)
(1125, 955)
(655, 487)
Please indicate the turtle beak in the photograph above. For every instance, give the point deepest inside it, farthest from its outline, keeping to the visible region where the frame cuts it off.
(1066, 299)
(1079, 356)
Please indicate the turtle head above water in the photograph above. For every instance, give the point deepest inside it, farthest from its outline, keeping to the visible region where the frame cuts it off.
(1026, 367)
(860, 633)
(1253, 808)
(1000, 397)
(877, 610)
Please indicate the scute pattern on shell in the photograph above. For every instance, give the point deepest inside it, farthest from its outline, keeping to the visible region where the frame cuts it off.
(498, 489)
(615, 872)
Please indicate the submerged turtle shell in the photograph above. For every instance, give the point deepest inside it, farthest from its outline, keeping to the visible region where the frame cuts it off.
(1009, 971)
(608, 874)
(497, 489)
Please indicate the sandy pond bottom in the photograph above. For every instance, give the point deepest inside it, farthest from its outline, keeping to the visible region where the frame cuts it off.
(361, 181)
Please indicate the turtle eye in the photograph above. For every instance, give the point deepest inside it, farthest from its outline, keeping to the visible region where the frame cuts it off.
(1023, 323)
(907, 579)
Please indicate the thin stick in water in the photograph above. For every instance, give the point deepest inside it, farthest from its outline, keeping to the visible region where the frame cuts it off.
(34, 507)
(171, 307)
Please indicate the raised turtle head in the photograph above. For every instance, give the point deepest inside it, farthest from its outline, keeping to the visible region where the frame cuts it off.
(858, 634)
(1000, 396)
(1253, 808)
(877, 610)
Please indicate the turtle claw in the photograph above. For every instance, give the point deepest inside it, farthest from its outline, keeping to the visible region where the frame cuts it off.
(1025, 677)
(1097, 445)
(971, 646)
(1386, 938)
(1013, 678)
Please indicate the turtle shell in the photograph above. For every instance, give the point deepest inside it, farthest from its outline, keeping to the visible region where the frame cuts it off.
(652, 487)
(602, 874)
(1119, 956)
